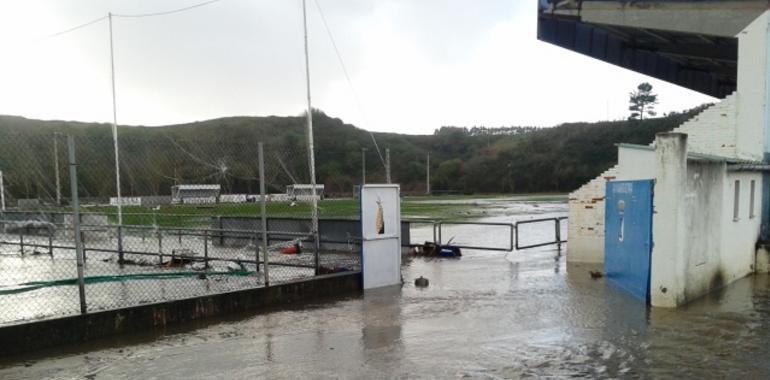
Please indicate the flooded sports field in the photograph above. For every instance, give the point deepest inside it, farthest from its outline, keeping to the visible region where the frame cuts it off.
(485, 315)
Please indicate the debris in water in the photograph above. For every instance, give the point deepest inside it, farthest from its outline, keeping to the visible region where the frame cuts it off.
(180, 257)
(596, 274)
(198, 266)
(421, 282)
(292, 250)
(430, 249)
(233, 266)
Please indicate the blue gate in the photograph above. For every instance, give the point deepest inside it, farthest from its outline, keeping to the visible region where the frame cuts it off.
(628, 235)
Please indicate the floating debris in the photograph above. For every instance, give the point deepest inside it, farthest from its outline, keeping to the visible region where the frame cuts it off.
(596, 274)
(421, 282)
(180, 257)
(292, 250)
(198, 266)
(430, 249)
(233, 266)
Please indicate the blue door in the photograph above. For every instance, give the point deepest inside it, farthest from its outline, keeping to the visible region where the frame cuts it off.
(628, 236)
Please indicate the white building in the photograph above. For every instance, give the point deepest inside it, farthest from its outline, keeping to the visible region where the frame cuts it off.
(709, 208)
(304, 192)
(195, 194)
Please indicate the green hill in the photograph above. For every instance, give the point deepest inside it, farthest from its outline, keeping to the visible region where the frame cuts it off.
(224, 151)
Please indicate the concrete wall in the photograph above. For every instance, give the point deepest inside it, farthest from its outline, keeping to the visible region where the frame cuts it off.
(752, 91)
(740, 236)
(635, 164)
(667, 265)
(714, 130)
(698, 244)
(80, 328)
(586, 220)
(713, 18)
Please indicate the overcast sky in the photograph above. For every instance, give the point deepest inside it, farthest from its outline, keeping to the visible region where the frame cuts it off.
(414, 65)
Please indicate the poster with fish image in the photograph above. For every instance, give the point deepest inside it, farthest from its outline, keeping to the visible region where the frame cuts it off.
(381, 230)
(380, 209)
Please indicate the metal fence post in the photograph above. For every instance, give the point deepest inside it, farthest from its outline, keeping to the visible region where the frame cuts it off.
(263, 210)
(21, 240)
(2, 192)
(205, 249)
(76, 222)
(558, 233)
(516, 227)
(50, 242)
(221, 233)
(435, 241)
(120, 244)
(83, 243)
(160, 246)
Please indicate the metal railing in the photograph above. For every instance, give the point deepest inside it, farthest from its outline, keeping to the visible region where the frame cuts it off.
(513, 231)
(557, 238)
(438, 235)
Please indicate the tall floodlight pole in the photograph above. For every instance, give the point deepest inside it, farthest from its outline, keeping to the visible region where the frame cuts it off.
(115, 128)
(2, 192)
(363, 166)
(56, 167)
(387, 165)
(427, 175)
(310, 150)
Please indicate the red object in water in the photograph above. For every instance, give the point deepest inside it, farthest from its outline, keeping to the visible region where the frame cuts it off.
(293, 250)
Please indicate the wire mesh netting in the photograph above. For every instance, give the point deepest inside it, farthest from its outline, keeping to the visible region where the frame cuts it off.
(188, 223)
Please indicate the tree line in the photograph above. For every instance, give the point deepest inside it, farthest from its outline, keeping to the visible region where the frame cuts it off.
(224, 151)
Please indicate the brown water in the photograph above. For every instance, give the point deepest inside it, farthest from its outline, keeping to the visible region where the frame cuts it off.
(486, 315)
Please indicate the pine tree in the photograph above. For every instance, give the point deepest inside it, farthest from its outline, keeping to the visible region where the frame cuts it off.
(642, 102)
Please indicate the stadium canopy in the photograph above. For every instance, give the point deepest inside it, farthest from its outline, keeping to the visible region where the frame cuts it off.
(691, 43)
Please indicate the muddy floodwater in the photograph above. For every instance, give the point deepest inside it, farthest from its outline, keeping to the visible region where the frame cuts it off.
(485, 315)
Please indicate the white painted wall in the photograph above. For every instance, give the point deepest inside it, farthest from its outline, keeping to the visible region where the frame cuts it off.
(635, 164)
(713, 131)
(740, 236)
(667, 265)
(698, 244)
(752, 93)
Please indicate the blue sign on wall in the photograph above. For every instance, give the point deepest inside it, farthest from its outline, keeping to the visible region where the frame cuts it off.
(628, 235)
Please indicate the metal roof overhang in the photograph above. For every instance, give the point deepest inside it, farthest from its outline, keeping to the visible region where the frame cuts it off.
(688, 43)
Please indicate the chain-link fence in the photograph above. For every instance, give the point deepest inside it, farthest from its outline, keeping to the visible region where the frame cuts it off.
(201, 211)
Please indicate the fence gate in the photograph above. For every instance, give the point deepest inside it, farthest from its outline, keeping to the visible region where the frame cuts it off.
(628, 235)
